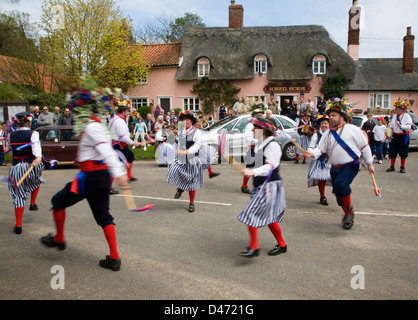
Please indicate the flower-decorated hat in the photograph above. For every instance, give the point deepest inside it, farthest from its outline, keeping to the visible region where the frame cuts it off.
(402, 104)
(121, 102)
(188, 114)
(264, 123)
(20, 118)
(257, 108)
(321, 118)
(341, 106)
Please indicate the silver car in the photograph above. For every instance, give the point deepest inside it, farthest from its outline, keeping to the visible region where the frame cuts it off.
(413, 137)
(235, 126)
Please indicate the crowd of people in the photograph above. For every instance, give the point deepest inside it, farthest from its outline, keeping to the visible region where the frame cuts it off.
(334, 145)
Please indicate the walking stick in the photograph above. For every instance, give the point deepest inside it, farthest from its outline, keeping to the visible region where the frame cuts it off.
(376, 189)
(24, 176)
(222, 152)
(130, 203)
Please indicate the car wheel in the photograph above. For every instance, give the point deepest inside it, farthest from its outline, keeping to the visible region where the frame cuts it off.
(216, 159)
(289, 152)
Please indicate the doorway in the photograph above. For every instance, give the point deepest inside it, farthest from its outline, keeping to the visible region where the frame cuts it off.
(281, 100)
(165, 103)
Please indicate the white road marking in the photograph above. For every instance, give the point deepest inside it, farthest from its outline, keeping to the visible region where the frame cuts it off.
(178, 200)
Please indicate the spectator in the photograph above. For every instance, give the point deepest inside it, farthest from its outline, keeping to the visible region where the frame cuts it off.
(159, 124)
(34, 124)
(223, 111)
(238, 107)
(150, 124)
(140, 130)
(157, 112)
(2, 143)
(46, 118)
(321, 105)
(57, 115)
(368, 127)
(67, 118)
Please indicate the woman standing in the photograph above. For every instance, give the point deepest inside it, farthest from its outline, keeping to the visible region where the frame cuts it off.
(319, 170)
(186, 171)
(303, 138)
(140, 129)
(267, 203)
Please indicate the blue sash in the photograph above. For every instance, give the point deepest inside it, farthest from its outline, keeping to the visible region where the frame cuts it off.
(345, 146)
(406, 141)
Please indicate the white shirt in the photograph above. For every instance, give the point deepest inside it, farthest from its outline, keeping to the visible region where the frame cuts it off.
(314, 139)
(406, 123)
(96, 145)
(353, 137)
(36, 144)
(249, 135)
(379, 132)
(197, 139)
(273, 154)
(120, 130)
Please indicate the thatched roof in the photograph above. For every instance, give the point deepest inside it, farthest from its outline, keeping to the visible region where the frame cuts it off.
(289, 51)
(383, 75)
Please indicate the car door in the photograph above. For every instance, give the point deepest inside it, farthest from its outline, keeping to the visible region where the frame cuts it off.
(236, 138)
(68, 144)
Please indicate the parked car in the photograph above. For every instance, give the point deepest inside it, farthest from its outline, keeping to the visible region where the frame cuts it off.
(413, 140)
(235, 126)
(58, 143)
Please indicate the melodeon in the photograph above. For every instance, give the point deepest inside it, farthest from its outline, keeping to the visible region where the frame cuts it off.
(308, 129)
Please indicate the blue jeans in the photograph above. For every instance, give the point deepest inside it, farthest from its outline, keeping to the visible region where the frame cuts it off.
(379, 150)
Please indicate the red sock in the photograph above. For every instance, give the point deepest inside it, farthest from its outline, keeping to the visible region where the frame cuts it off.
(129, 170)
(19, 216)
(210, 171)
(277, 232)
(392, 161)
(192, 195)
(33, 195)
(297, 157)
(111, 182)
(253, 237)
(346, 200)
(110, 235)
(321, 188)
(403, 162)
(245, 181)
(59, 218)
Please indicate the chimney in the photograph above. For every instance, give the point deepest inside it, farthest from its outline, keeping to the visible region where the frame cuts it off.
(354, 30)
(236, 16)
(408, 52)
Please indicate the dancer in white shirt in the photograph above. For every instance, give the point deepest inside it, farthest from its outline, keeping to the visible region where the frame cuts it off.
(344, 143)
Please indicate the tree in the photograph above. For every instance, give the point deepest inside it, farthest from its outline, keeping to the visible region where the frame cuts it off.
(180, 24)
(166, 29)
(334, 85)
(83, 35)
(214, 92)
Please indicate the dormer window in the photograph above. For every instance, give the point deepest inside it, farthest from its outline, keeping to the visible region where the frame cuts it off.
(319, 64)
(260, 64)
(203, 68)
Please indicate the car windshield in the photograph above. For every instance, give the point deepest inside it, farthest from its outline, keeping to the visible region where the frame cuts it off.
(221, 123)
(414, 117)
(357, 121)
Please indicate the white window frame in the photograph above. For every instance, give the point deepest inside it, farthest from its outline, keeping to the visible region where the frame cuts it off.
(142, 81)
(263, 98)
(191, 104)
(260, 64)
(203, 68)
(379, 98)
(138, 102)
(319, 65)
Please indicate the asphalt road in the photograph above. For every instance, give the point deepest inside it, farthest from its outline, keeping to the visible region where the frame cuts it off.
(170, 254)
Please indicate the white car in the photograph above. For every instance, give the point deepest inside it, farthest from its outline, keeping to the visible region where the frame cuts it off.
(413, 140)
(237, 145)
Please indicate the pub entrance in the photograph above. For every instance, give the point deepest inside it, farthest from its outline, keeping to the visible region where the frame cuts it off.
(281, 99)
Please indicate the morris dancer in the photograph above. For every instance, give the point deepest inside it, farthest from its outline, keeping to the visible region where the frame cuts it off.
(121, 134)
(319, 170)
(257, 110)
(98, 161)
(344, 143)
(186, 171)
(29, 155)
(401, 124)
(267, 204)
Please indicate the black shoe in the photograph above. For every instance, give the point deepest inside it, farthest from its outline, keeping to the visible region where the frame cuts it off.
(178, 194)
(17, 230)
(112, 264)
(249, 252)
(390, 169)
(48, 241)
(213, 175)
(323, 201)
(304, 161)
(296, 161)
(33, 207)
(191, 207)
(132, 179)
(277, 250)
(245, 190)
(113, 191)
(402, 170)
(348, 221)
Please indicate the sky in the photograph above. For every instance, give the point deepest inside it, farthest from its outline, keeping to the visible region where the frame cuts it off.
(383, 23)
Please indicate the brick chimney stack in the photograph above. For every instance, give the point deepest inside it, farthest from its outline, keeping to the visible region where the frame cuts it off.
(354, 30)
(236, 16)
(408, 52)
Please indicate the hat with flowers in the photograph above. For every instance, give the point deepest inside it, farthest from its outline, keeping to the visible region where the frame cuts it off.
(20, 118)
(341, 106)
(321, 118)
(189, 115)
(402, 104)
(257, 108)
(264, 123)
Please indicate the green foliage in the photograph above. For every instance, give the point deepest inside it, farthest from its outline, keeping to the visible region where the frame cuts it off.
(8, 92)
(48, 99)
(334, 85)
(179, 25)
(144, 110)
(214, 92)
